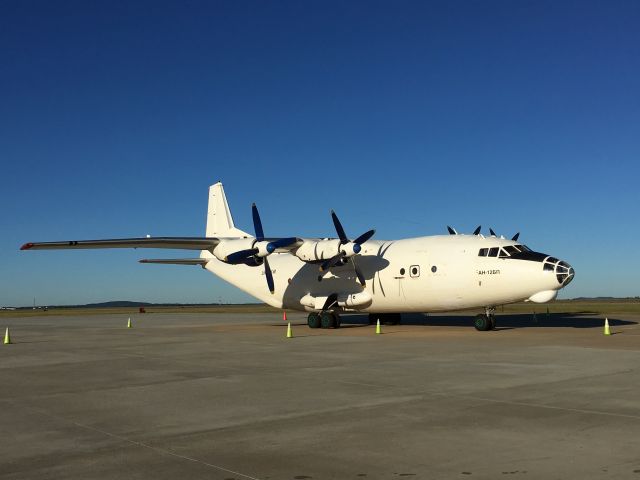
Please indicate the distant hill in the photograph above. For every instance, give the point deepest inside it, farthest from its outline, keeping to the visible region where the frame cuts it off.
(114, 303)
(130, 304)
(601, 299)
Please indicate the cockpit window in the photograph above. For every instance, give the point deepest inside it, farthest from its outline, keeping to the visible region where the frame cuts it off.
(524, 248)
(503, 254)
(511, 249)
(493, 252)
(483, 252)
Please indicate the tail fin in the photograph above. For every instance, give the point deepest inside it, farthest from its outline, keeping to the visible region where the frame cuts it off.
(219, 219)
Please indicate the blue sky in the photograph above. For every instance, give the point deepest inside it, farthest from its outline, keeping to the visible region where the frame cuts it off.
(402, 116)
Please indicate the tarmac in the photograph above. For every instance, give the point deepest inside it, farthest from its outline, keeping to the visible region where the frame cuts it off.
(227, 396)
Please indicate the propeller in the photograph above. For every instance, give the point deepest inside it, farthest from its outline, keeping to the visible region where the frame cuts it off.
(453, 231)
(261, 250)
(348, 249)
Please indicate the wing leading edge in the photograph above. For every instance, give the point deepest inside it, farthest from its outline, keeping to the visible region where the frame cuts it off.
(180, 243)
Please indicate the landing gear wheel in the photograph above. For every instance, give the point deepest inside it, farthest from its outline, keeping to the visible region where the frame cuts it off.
(492, 322)
(482, 323)
(327, 320)
(373, 318)
(336, 320)
(313, 320)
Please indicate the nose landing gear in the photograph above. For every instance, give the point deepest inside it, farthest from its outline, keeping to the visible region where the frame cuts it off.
(485, 321)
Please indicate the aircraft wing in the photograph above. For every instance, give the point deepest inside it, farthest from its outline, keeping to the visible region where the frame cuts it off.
(182, 243)
(176, 261)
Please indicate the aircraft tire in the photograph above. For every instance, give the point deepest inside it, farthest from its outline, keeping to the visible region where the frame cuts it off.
(492, 322)
(336, 320)
(313, 320)
(373, 318)
(482, 323)
(327, 320)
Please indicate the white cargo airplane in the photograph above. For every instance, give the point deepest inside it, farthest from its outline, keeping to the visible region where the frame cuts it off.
(327, 276)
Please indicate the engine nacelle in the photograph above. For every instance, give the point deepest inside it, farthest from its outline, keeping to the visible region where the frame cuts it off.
(355, 300)
(227, 247)
(312, 251)
(345, 300)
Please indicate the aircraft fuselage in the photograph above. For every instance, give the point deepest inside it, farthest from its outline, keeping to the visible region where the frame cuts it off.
(423, 274)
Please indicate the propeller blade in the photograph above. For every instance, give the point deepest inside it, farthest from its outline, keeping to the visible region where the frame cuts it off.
(327, 264)
(280, 243)
(339, 230)
(451, 230)
(257, 224)
(241, 256)
(364, 237)
(515, 237)
(359, 274)
(269, 275)
(492, 232)
(477, 230)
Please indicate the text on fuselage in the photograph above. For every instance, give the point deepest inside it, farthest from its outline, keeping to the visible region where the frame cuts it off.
(488, 272)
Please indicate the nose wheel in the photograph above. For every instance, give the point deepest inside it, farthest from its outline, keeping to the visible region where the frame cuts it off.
(485, 321)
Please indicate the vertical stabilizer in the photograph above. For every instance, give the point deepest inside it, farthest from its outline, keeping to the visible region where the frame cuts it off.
(219, 219)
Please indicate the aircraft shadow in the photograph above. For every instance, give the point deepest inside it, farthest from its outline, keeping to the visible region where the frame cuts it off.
(503, 321)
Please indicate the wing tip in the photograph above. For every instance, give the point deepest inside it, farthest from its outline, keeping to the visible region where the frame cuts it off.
(26, 246)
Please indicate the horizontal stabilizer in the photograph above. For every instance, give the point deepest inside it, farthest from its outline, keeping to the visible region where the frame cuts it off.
(176, 261)
(182, 243)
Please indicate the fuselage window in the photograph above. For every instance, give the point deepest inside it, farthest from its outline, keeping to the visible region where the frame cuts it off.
(415, 271)
(493, 252)
(483, 252)
(402, 271)
(434, 269)
(548, 267)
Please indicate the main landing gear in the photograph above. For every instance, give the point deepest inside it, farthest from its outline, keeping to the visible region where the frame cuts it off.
(323, 320)
(485, 321)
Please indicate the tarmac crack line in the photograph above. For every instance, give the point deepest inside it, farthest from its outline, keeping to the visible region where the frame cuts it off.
(162, 451)
(536, 405)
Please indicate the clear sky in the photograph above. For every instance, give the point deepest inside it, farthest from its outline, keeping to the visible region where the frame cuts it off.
(115, 117)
